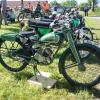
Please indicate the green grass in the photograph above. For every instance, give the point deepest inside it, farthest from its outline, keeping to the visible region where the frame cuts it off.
(96, 13)
(14, 86)
(94, 25)
(10, 28)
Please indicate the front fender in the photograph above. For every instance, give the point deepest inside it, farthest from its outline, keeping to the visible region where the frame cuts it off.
(8, 36)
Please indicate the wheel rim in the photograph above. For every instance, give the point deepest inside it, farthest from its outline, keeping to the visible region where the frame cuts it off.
(10, 59)
(91, 73)
(21, 17)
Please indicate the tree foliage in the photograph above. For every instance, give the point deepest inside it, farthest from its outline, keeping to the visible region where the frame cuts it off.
(4, 7)
(22, 4)
(81, 6)
(93, 3)
(54, 2)
(0, 16)
(70, 3)
(90, 3)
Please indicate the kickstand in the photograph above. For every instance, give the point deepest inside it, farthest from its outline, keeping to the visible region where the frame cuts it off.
(35, 72)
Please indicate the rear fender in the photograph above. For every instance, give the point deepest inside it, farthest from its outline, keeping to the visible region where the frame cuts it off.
(9, 37)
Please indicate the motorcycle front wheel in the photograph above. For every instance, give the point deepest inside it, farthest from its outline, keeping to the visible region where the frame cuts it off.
(69, 67)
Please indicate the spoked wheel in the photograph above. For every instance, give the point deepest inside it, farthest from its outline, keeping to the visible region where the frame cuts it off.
(11, 56)
(20, 17)
(69, 67)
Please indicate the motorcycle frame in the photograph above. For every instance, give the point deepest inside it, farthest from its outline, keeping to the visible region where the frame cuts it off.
(67, 36)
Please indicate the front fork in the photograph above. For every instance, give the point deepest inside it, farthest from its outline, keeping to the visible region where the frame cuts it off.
(74, 51)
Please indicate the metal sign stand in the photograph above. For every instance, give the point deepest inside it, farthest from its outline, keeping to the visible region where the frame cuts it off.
(42, 79)
(98, 86)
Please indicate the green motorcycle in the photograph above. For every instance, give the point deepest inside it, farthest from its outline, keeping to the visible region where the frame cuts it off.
(43, 27)
(17, 51)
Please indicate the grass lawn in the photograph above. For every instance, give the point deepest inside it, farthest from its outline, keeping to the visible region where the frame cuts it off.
(14, 86)
(96, 13)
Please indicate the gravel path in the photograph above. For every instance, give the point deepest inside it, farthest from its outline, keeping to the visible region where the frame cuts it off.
(93, 17)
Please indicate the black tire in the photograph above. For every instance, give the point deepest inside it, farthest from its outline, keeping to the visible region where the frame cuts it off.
(5, 59)
(21, 15)
(79, 77)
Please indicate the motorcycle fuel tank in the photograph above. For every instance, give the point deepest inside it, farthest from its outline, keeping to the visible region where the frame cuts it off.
(51, 37)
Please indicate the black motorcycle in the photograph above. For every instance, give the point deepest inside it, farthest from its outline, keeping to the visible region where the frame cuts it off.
(26, 13)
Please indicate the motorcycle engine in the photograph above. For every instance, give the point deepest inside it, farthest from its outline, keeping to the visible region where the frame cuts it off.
(43, 55)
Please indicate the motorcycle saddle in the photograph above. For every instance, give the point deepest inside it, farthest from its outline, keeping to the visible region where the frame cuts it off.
(33, 23)
(46, 20)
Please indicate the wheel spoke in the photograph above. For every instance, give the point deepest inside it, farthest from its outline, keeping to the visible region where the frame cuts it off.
(71, 65)
(9, 56)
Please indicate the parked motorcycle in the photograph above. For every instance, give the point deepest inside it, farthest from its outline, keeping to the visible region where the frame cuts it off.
(26, 13)
(18, 50)
(42, 27)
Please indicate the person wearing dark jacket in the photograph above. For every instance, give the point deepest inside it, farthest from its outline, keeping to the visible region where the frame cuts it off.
(86, 9)
(38, 8)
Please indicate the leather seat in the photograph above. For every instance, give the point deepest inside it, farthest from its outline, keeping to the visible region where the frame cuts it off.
(33, 23)
(46, 20)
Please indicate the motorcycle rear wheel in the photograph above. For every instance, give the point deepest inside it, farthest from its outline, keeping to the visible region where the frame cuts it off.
(9, 59)
(21, 17)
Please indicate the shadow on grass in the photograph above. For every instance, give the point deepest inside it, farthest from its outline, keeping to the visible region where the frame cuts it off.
(95, 91)
(95, 28)
(12, 29)
(21, 75)
(62, 85)
(75, 89)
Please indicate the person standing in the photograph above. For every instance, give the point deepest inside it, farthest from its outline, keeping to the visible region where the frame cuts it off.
(86, 9)
(55, 7)
(30, 6)
(38, 8)
(46, 7)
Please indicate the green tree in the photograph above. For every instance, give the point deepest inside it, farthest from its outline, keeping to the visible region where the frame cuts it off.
(90, 3)
(53, 3)
(70, 3)
(93, 4)
(0, 16)
(81, 6)
(4, 7)
(22, 4)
